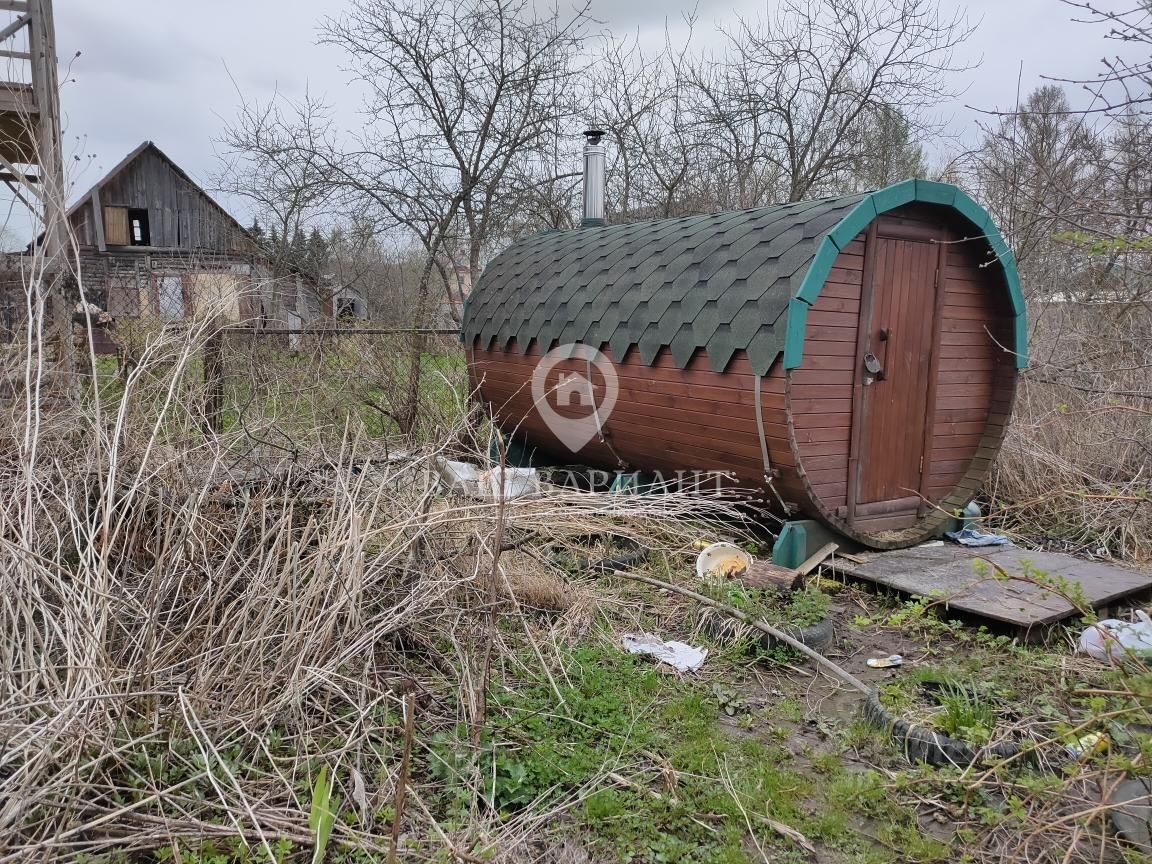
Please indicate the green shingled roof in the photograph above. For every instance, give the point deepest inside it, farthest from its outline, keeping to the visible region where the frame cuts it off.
(721, 282)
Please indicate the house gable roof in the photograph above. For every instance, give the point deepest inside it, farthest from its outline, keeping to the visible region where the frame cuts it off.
(123, 165)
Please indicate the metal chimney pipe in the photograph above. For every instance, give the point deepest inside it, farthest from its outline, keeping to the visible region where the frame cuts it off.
(593, 179)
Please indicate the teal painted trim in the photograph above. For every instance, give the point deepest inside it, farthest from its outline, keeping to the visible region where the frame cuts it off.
(822, 262)
(1020, 325)
(794, 333)
(931, 192)
(852, 224)
(1007, 263)
(858, 219)
(892, 197)
(972, 211)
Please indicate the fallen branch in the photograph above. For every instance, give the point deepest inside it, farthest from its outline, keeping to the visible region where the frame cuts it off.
(818, 658)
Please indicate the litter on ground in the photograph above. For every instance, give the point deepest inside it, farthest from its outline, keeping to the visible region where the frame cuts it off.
(1118, 640)
(886, 662)
(971, 536)
(684, 658)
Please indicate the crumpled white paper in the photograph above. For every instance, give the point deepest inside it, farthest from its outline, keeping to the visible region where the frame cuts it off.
(684, 658)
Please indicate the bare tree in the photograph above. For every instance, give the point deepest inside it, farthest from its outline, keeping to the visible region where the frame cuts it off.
(804, 84)
(1037, 171)
(459, 92)
(267, 157)
(645, 104)
(1125, 82)
(465, 100)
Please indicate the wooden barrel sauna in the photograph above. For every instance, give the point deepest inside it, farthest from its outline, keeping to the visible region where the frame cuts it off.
(853, 359)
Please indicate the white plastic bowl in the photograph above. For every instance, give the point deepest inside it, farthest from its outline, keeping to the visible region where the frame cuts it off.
(722, 559)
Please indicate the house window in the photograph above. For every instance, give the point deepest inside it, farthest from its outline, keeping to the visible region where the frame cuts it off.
(346, 307)
(138, 233)
(170, 298)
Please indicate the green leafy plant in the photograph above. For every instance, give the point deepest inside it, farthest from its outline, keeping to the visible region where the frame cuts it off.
(966, 713)
(321, 817)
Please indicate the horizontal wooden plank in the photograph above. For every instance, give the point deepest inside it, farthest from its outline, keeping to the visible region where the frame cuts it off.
(832, 475)
(830, 491)
(959, 414)
(821, 421)
(849, 262)
(801, 407)
(804, 377)
(957, 443)
(822, 434)
(965, 325)
(842, 362)
(952, 312)
(950, 339)
(831, 318)
(976, 426)
(945, 393)
(965, 375)
(969, 299)
(824, 348)
(823, 448)
(849, 305)
(814, 463)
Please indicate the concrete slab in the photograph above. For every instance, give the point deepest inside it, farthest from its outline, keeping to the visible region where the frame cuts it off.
(953, 573)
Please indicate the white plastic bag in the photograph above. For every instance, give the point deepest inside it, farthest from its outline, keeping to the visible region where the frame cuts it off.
(685, 658)
(1117, 639)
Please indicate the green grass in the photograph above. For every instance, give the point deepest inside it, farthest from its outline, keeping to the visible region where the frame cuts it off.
(694, 784)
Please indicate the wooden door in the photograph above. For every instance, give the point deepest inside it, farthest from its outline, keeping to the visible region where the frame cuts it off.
(894, 377)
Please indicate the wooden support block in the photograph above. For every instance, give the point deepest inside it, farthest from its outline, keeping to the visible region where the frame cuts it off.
(764, 574)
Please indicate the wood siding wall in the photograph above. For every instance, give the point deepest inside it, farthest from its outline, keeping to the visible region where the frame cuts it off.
(975, 376)
(665, 419)
(112, 279)
(180, 215)
(821, 389)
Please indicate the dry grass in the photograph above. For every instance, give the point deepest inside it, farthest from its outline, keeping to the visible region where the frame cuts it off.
(197, 627)
(1075, 473)
(202, 625)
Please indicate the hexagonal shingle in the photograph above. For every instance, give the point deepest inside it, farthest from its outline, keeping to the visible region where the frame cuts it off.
(720, 282)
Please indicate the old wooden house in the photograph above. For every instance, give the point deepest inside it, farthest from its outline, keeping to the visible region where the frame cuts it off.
(154, 245)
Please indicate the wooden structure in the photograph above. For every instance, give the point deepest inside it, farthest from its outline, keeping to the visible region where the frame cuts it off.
(153, 244)
(31, 152)
(966, 583)
(853, 359)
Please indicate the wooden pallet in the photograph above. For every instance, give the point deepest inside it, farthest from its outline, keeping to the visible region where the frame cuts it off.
(954, 573)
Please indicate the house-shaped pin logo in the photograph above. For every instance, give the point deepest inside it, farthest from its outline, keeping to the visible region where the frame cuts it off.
(574, 389)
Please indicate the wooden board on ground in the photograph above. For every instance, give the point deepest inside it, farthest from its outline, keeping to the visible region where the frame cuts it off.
(952, 572)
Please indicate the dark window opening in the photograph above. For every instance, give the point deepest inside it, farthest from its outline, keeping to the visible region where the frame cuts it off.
(138, 233)
(345, 308)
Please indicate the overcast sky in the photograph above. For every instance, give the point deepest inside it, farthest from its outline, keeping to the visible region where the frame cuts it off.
(173, 71)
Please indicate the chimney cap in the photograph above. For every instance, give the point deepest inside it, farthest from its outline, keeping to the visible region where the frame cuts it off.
(593, 136)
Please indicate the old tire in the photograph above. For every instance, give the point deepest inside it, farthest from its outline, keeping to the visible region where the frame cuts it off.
(926, 745)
